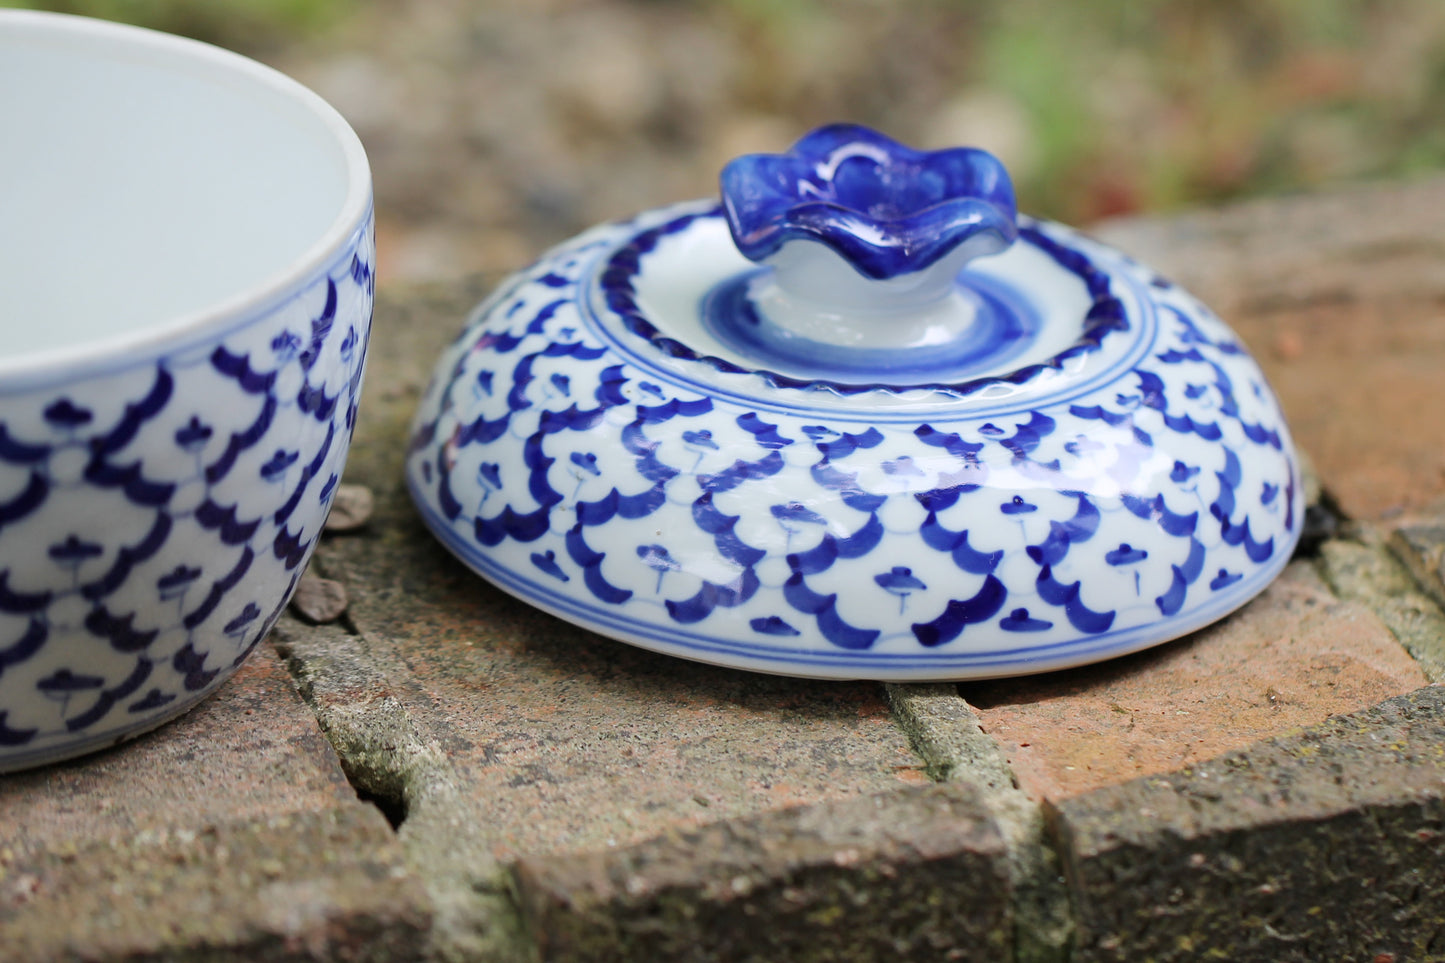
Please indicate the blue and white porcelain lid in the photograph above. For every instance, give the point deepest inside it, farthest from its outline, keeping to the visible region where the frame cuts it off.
(860, 420)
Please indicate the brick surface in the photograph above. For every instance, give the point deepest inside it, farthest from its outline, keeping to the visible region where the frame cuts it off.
(1340, 298)
(572, 741)
(1293, 657)
(560, 796)
(229, 833)
(1325, 845)
(317, 885)
(252, 751)
(501, 732)
(910, 875)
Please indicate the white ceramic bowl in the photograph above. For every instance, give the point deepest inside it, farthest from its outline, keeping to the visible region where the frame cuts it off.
(186, 286)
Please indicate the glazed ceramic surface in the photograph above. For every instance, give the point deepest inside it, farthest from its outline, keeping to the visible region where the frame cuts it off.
(866, 452)
(185, 293)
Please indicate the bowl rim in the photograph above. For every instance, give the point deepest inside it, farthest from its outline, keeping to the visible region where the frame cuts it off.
(31, 369)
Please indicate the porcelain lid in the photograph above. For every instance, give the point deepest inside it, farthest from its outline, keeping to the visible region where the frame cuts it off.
(858, 420)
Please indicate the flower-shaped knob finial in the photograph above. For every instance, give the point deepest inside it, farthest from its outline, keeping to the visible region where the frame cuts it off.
(889, 211)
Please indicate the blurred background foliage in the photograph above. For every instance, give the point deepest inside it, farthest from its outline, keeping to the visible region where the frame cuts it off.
(230, 23)
(497, 126)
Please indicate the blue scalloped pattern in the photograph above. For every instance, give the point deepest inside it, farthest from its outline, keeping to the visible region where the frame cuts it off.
(176, 501)
(943, 545)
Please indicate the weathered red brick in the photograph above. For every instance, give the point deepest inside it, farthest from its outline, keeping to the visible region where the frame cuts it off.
(1293, 657)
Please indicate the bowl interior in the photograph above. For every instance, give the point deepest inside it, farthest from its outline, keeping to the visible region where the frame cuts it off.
(147, 181)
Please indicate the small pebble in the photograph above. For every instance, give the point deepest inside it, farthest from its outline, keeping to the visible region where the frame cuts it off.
(319, 600)
(350, 508)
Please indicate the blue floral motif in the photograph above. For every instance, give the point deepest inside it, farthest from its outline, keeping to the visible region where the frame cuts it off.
(165, 558)
(64, 414)
(889, 210)
(1019, 620)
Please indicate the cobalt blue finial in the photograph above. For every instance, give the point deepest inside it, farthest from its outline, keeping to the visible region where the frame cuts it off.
(887, 209)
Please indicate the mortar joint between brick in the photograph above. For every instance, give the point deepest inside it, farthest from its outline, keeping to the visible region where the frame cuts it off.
(384, 751)
(1363, 566)
(1423, 565)
(947, 734)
